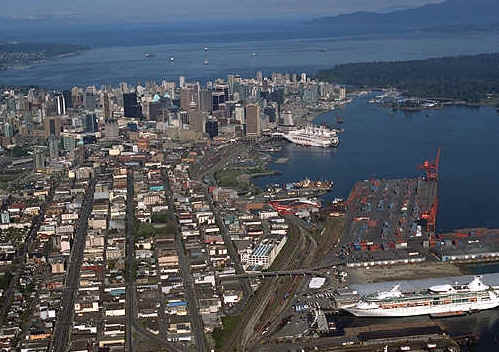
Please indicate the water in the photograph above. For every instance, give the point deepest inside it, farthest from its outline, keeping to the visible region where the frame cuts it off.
(381, 143)
(113, 64)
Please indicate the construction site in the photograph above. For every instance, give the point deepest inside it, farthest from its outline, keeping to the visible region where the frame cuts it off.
(390, 221)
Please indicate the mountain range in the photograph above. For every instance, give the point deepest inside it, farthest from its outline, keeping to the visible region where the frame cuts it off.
(471, 14)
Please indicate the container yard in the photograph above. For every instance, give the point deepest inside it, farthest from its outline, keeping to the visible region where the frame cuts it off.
(391, 221)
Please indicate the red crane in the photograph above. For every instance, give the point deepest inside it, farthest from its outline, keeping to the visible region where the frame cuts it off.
(431, 167)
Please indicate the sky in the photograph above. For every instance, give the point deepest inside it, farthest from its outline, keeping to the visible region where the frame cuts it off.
(171, 10)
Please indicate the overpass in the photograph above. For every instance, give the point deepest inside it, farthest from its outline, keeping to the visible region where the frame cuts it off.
(267, 274)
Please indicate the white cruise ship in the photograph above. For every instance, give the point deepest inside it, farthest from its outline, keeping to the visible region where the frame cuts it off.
(313, 136)
(436, 300)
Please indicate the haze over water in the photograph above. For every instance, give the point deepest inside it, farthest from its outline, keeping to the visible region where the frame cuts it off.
(108, 64)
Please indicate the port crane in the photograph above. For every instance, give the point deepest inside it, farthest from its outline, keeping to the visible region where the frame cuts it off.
(431, 167)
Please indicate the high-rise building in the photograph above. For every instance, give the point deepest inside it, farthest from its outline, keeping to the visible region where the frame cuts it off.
(197, 120)
(53, 147)
(253, 120)
(211, 127)
(124, 87)
(8, 130)
(131, 106)
(52, 126)
(61, 105)
(343, 93)
(181, 81)
(186, 98)
(239, 114)
(90, 100)
(40, 157)
(106, 104)
(90, 124)
(111, 129)
(259, 76)
(303, 77)
(205, 100)
(68, 99)
(153, 111)
(69, 141)
(218, 98)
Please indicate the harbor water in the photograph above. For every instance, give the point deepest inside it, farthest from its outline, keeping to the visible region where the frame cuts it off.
(378, 142)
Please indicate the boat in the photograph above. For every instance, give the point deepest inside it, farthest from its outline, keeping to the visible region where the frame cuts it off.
(253, 54)
(339, 119)
(436, 300)
(313, 136)
(148, 55)
(172, 59)
(205, 49)
(205, 62)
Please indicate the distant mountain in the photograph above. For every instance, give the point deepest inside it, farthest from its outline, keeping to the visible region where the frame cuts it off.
(441, 15)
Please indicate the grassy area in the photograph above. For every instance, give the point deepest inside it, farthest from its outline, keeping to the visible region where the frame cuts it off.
(220, 335)
(5, 280)
(228, 177)
(145, 230)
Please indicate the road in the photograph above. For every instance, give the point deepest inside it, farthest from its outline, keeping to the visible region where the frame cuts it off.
(245, 284)
(21, 256)
(131, 299)
(131, 292)
(62, 331)
(190, 295)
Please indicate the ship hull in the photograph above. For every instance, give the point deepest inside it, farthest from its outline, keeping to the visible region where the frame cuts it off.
(311, 143)
(424, 310)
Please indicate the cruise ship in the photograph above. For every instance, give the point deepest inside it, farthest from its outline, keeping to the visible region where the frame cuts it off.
(436, 300)
(313, 136)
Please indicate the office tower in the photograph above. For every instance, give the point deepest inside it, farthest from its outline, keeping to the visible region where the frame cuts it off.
(40, 157)
(303, 77)
(106, 104)
(153, 111)
(53, 147)
(76, 97)
(239, 114)
(186, 98)
(124, 88)
(197, 120)
(259, 76)
(8, 131)
(61, 105)
(68, 98)
(205, 100)
(111, 129)
(343, 93)
(211, 128)
(218, 98)
(90, 100)
(90, 124)
(69, 141)
(131, 106)
(253, 120)
(52, 126)
(181, 81)
(293, 77)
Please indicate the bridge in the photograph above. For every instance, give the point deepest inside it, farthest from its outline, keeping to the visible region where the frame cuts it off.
(267, 274)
